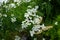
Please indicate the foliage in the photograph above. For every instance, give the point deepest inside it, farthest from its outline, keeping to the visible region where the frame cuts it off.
(11, 18)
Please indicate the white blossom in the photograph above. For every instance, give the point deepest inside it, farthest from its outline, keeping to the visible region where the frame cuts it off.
(5, 15)
(24, 26)
(32, 33)
(28, 10)
(28, 20)
(29, 6)
(17, 37)
(12, 5)
(43, 39)
(36, 20)
(33, 10)
(5, 6)
(36, 28)
(26, 15)
(5, 1)
(26, 0)
(36, 7)
(17, 1)
(13, 19)
(12, 15)
(43, 26)
(1, 2)
(56, 23)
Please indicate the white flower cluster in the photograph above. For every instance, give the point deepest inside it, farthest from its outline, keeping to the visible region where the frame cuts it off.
(13, 19)
(32, 17)
(26, 0)
(13, 5)
(17, 37)
(43, 39)
(28, 20)
(37, 28)
(5, 1)
(18, 2)
(21, 1)
(4, 15)
(56, 23)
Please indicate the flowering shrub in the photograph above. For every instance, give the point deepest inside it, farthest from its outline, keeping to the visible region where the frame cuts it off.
(29, 20)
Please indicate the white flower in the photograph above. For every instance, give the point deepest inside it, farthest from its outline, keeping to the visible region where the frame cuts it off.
(43, 26)
(43, 38)
(12, 15)
(23, 22)
(29, 10)
(33, 10)
(36, 7)
(27, 20)
(26, 15)
(28, 23)
(1, 2)
(30, 13)
(30, 18)
(24, 25)
(13, 19)
(5, 1)
(36, 28)
(17, 1)
(32, 21)
(29, 6)
(32, 33)
(5, 15)
(26, 0)
(5, 6)
(36, 20)
(56, 23)
(12, 5)
(17, 37)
